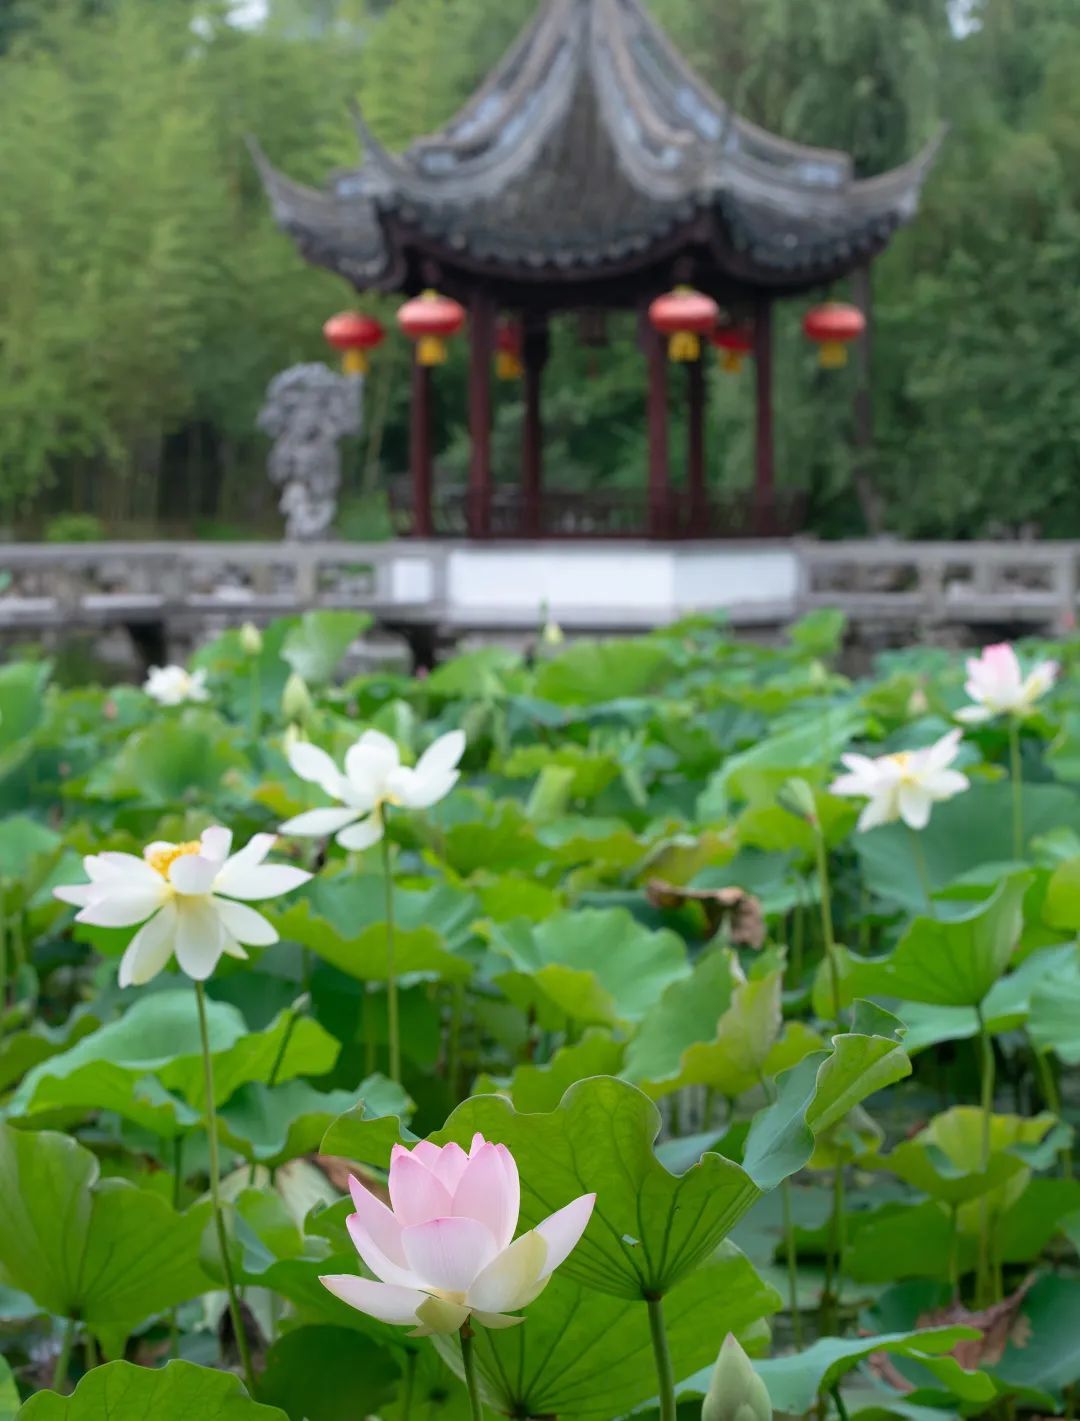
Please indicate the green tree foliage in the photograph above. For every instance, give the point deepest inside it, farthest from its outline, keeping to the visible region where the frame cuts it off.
(147, 297)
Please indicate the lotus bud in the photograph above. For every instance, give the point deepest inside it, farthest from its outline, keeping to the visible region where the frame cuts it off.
(736, 1392)
(296, 702)
(797, 797)
(552, 634)
(250, 639)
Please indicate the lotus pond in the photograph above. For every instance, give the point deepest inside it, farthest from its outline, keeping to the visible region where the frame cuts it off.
(593, 1014)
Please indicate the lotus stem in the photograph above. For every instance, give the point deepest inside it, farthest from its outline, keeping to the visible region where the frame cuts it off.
(828, 934)
(986, 1075)
(1052, 1096)
(1016, 777)
(215, 1195)
(391, 969)
(3, 956)
(408, 1383)
(921, 870)
(255, 710)
(177, 1188)
(468, 1361)
(792, 1250)
(63, 1357)
(665, 1375)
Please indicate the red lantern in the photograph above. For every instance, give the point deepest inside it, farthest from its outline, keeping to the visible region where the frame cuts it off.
(508, 351)
(733, 345)
(354, 334)
(833, 326)
(685, 315)
(430, 320)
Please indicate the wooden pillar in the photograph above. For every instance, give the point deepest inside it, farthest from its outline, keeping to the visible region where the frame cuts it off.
(695, 449)
(534, 355)
(481, 352)
(420, 450)
(866, 490)
(764, 473)
(659, 471)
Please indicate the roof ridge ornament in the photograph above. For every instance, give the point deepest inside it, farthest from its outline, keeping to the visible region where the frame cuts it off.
(374, 151)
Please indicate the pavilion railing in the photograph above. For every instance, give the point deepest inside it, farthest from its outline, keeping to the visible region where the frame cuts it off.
(605, 513)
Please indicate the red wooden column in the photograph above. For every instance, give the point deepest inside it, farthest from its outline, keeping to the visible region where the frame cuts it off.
(481, 352)
(420, 449)
(534, 356)
(695, 448)
(659, 470)
(866, 489)
(764, 480)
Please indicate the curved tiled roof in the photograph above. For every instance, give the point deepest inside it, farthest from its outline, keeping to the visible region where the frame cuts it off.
(592, 146)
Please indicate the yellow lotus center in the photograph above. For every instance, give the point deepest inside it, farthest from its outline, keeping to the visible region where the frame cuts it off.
(902, 760)
(161, 860)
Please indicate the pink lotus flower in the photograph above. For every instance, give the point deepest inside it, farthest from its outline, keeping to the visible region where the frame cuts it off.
(446, 1250)
(998, 686)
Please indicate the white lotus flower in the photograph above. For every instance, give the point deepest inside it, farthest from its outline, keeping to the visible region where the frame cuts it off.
(445, 1251)
(998, 686)
(172, 685)
(374, 778)
(184, 896)
(903, 786)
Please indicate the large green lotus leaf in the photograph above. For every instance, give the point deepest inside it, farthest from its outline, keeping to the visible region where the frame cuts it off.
(797, 1381)
(362, 952)
(964, 833)
(22, 840)
(582, 1353)
(272, 1124)
(350, 901)
(1007, 1004)
(808, 748)
(176, 1392)
(596, 966)
(22, 698)
(1054, 1017)
(1046, 1353)
(591, 672)
(9, 1392)
(1027, 1226)
(317, 643)
(533, 1088)
(713, 1029)
(147, 1066)
(328, 1374)
(21, 1051)
(954, 962)
(774, 829)
(170, 760)
(514, 895)
(503, 842)
(873, 1254)
(590, 770)
(945, 1160)
(99, 1250)
(1061, 905)
(603, 844)
(817, 1094)
(485, 672)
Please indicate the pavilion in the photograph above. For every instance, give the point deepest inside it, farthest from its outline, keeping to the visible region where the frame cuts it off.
(591, 173)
